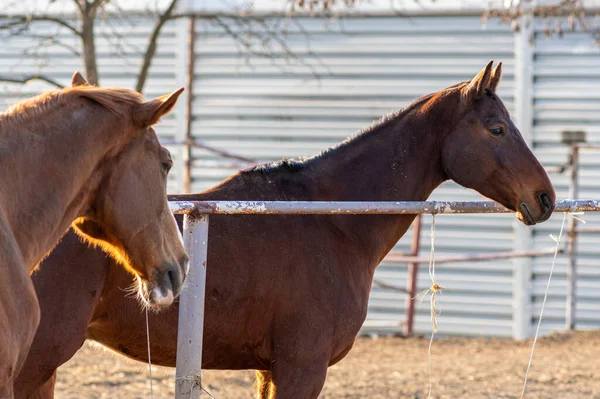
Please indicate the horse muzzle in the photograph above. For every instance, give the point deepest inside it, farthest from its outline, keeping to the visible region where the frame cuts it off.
(530, 216)
(166, 285)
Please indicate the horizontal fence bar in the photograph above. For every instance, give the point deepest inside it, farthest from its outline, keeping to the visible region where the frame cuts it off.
(401, 258)
(381, 284)
(587, 230)
(556, 169)
(588, 146)
(361, 208)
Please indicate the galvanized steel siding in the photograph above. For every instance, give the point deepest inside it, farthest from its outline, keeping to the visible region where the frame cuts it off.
(348, 73)
(567, 97)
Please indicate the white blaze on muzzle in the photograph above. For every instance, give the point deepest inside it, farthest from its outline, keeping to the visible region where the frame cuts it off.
(154, 297)
(160, 299)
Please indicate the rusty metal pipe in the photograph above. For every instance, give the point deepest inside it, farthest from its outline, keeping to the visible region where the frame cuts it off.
(360, 208)
(472, 258)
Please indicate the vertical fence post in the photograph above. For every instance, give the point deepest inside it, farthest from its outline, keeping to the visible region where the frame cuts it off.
(572, 244)
(189, 112)
(522, 267)
(191, 310)
(413, 274)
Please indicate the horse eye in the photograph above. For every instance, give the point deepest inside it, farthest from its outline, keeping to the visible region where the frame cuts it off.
(167, 166)
(496, 131)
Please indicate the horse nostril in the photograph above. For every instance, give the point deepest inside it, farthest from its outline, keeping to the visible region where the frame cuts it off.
(545, 202)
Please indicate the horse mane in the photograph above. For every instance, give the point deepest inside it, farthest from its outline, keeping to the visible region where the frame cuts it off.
(297, 164)
(110, 98)
(290, 164)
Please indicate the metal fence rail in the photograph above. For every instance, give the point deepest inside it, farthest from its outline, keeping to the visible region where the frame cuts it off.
(360, 208)
(196, 223)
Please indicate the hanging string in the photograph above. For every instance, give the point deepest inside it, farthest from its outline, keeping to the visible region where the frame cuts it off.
(149, 359)
(537, 331)
(195, 382)
(434, 289)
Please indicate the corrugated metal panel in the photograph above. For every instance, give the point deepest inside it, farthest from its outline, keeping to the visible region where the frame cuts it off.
(353, 71)
(119, 59)
(366, 67)
(567, 97)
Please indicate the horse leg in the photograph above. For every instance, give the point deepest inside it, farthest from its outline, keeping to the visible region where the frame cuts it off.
(46, 391)
(263, 384)
(297, 381)
(70, 281)
(6, 391)
(19, 311)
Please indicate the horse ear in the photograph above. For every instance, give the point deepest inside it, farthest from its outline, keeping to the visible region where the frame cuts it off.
(496, 75)
(150, 112)
(476, 87)
(78, 80)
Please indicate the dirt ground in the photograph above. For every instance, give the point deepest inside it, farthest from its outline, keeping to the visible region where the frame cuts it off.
(565, 366)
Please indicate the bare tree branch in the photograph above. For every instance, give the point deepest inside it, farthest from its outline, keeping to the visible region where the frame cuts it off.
(30, 78)
(88, 17)
(80, 5)
(196, 143)
(565, 15)
(45, 41)
(98, 3)
(26, 20)
(120, 41)
(152, 45)
(92, 7)
(320, 6)
(381, 284)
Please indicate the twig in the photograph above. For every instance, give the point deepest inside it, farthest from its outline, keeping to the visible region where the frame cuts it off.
(152, 44)
(389, 286)
(30, 78)
(26, 20)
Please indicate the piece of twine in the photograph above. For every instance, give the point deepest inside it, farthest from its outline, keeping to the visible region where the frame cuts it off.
(537, 331)
(196, 382)
(434, 289)
(149, 359)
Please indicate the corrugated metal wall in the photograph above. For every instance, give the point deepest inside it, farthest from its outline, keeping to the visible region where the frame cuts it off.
(567, 97)
(342, 75)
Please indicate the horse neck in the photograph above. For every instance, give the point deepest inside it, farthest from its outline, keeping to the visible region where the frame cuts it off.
(55, 168)
(399, 160)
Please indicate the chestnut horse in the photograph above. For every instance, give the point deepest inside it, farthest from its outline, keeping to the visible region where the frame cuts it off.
(87, 156)
(287, 294)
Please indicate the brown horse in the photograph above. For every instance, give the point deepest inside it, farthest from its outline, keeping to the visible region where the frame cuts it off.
(90, 156)
(287, 295)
